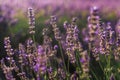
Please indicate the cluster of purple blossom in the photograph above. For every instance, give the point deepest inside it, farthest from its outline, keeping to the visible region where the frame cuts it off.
(32, 61)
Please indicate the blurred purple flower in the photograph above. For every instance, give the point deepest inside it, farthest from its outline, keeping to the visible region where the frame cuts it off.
(55, 47)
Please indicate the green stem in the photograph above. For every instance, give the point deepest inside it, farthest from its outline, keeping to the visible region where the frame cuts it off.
(34, 41)
(101, 66)
(62, 56)
(109, 65)
(68, 67)
(89, 45)
(94, 75)
(33, 38)
(78, 62)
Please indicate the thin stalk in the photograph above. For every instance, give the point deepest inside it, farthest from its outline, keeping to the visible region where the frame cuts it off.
(89, 48)
(105, 71)
(33, 36)
(108, 65)
(62, 56)
(94, 75)
(68, 67)
(100, 65)
(78, 62)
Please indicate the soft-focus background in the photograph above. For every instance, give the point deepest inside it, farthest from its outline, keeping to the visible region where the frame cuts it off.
(14, 20)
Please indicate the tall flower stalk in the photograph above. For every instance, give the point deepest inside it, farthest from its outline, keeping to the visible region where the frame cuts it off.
(58, 37)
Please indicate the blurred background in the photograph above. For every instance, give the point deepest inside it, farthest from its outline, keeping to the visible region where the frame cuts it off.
(14, 20)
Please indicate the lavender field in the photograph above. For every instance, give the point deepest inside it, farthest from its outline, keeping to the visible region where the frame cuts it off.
(59, 40)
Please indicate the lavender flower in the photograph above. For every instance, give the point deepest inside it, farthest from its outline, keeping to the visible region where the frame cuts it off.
(85, 63)
(41, 59)
(74, 76)
(30, 46)
(9, 50)
(22, 54)
(117, 28)
(106, 40)
(51, 73)
(22, 76)
(31, 21)
(61, 74)
(7, 71)
(47, 44)
(117, 42)
(93, 23)
(72, 40)
(94, 29)
(55, 28)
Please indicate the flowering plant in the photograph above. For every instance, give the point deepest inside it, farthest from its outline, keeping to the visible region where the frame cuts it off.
(64, 56)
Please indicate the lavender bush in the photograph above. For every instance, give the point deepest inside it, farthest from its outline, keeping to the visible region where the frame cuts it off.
(65, 55)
